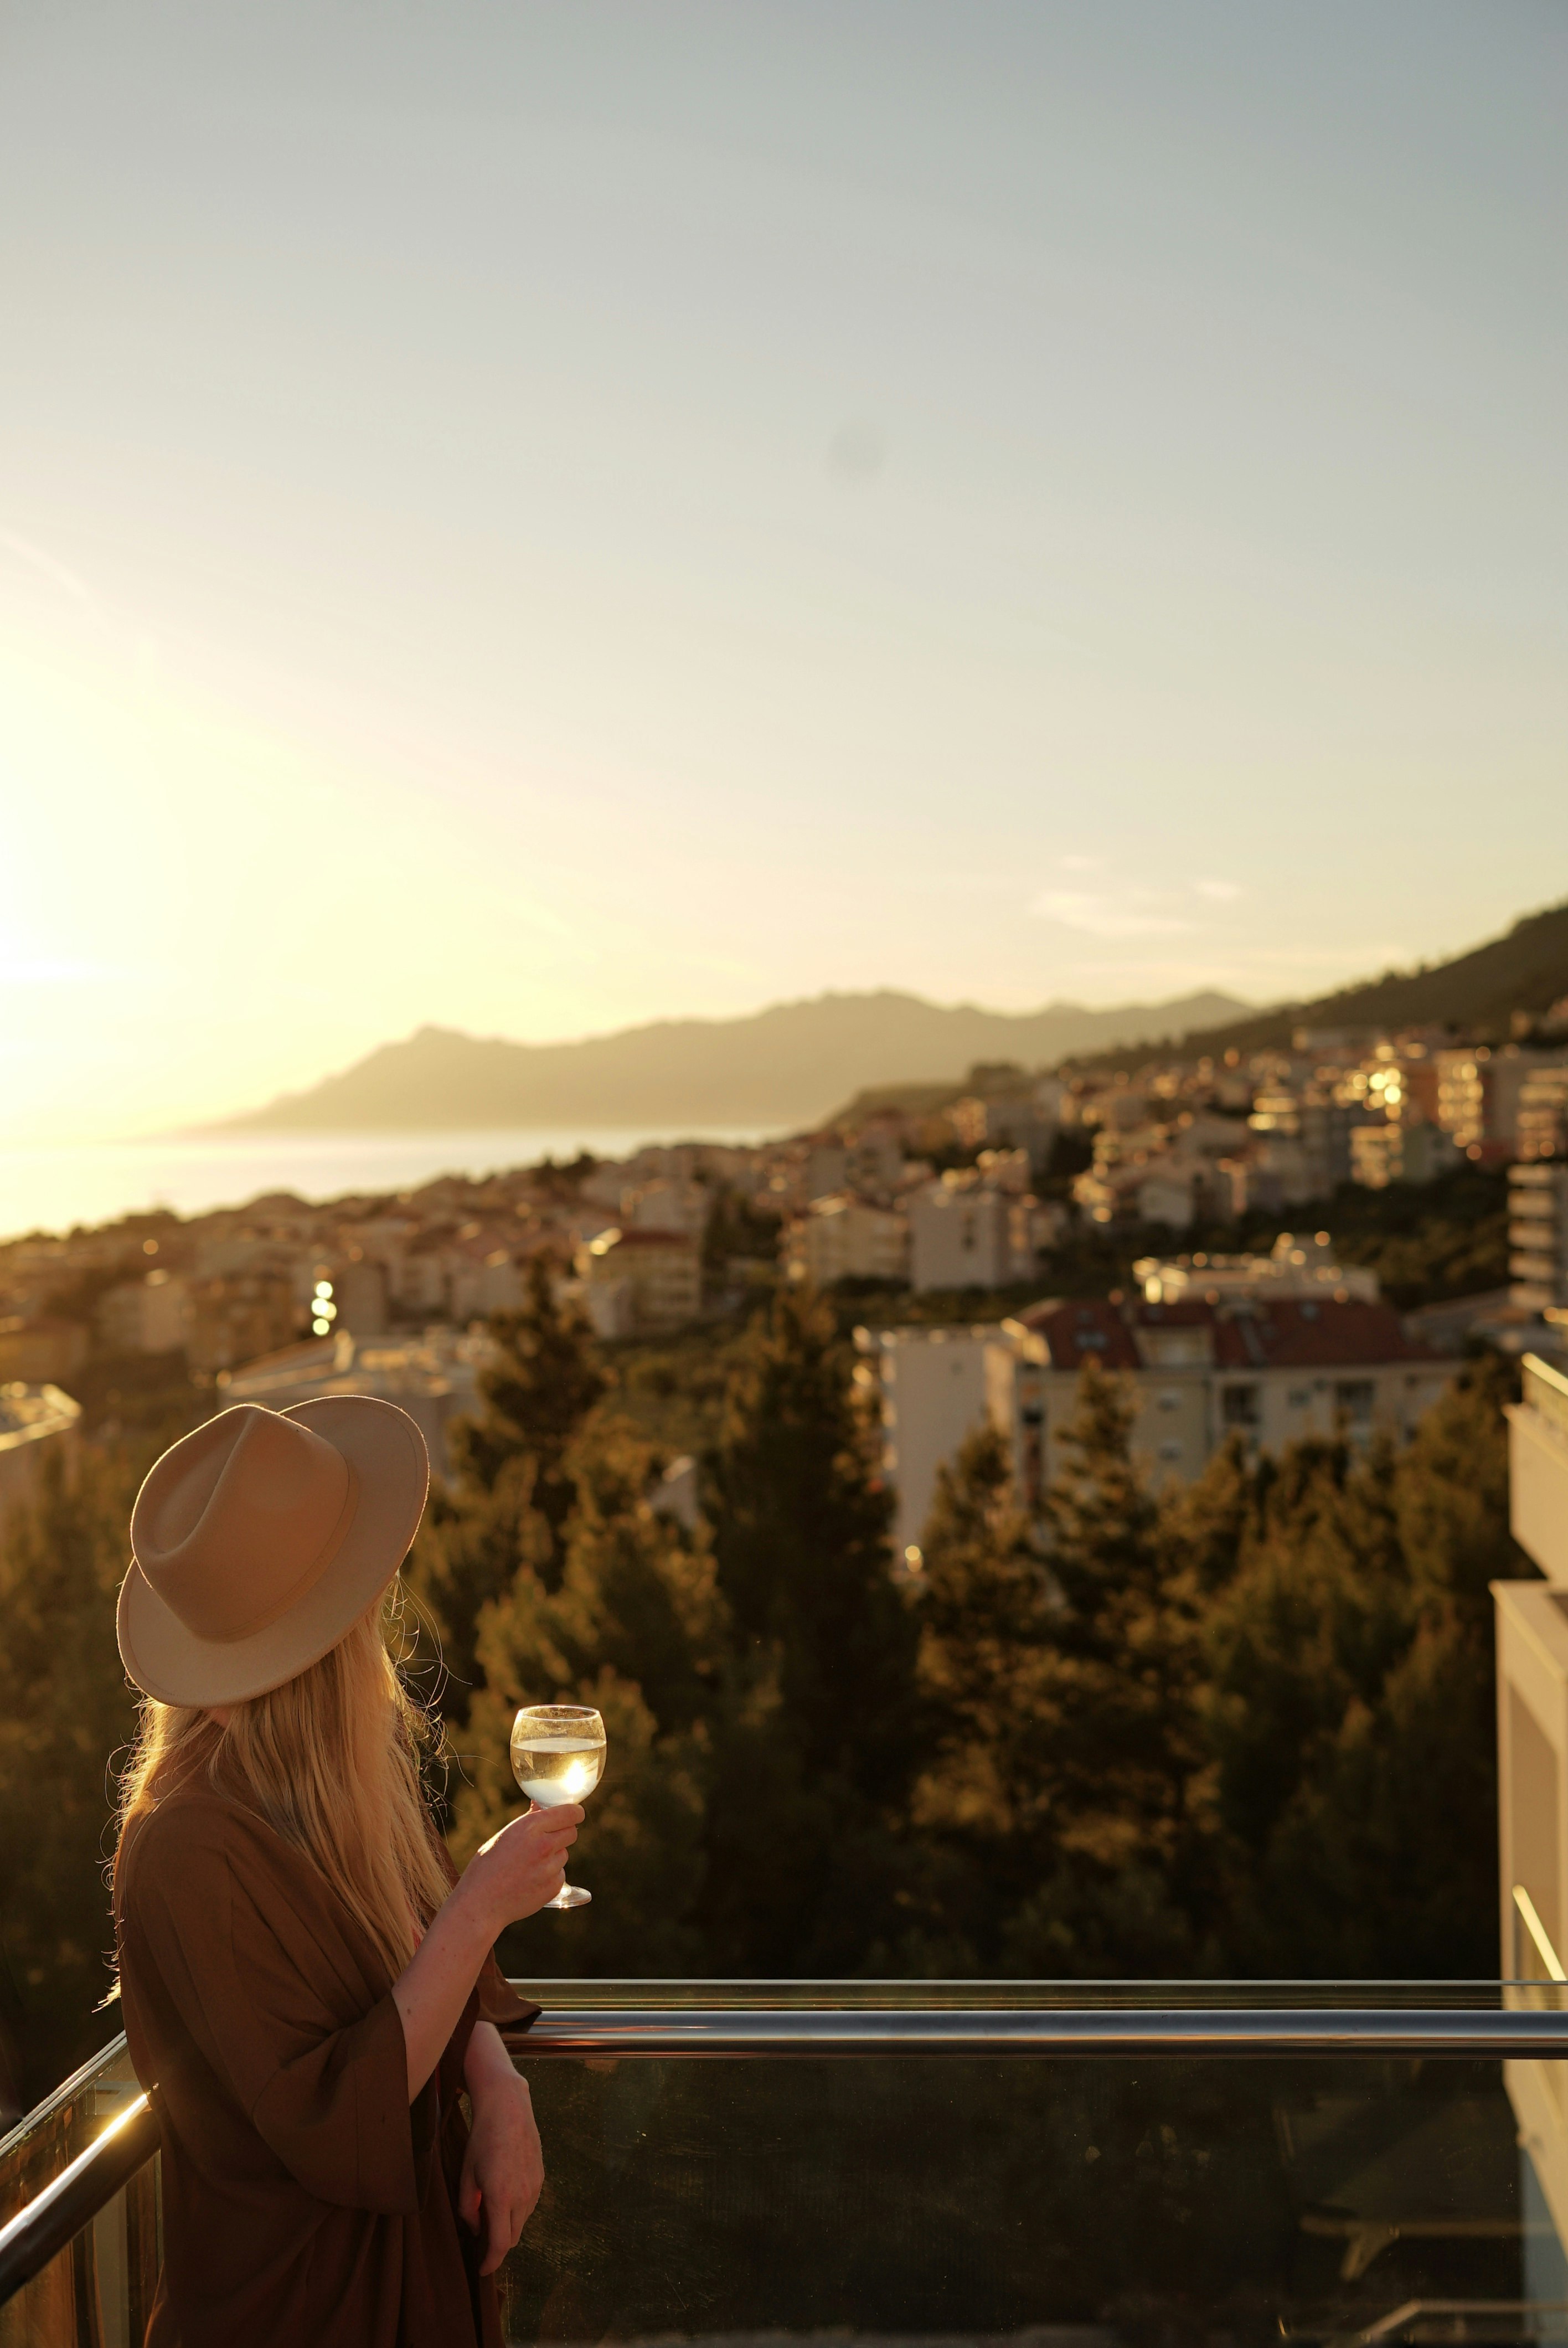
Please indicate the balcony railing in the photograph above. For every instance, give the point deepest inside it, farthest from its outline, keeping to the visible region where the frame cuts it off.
(945, 2161)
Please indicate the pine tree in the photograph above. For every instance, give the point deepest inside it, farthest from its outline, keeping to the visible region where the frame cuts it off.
(537, 1393)
(983, 1668)
(65, 1712)
(800, 1538)
(1113, 1748)
(815, 1751)
(1351, 1706)
(635, 1628)
(511, 1492)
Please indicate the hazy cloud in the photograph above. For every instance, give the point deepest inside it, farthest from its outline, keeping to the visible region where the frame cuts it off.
(1121, 912)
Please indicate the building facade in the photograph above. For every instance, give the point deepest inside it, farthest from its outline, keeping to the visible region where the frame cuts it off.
(1538, 1234)
(844, 1238)
(1269, 1373)
(635, 1280)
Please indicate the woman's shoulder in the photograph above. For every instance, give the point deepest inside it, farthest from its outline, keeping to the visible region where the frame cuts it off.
(179, 1840)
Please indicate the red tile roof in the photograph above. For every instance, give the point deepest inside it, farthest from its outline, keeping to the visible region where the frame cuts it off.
(1287, 1333)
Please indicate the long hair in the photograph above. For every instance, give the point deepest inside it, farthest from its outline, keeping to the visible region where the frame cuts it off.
(331, 1760)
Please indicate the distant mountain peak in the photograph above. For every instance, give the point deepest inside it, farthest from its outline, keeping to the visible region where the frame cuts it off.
(785, 1067)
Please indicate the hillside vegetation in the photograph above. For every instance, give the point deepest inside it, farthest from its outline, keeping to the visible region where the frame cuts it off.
(1476, 995)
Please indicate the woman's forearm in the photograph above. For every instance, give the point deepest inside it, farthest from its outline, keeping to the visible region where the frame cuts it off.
(486, 2062)
(516, 1872)
(433, 1988)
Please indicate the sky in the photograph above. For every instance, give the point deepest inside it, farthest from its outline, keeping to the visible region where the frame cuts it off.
(540, 517)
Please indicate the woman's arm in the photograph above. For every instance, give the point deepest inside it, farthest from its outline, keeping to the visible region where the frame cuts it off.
(504, 2167)
(516, 1872)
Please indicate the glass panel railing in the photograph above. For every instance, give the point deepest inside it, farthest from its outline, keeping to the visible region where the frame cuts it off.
(1061, 2165)
(897, 2181)
(97, 2290)
(1137, 2201)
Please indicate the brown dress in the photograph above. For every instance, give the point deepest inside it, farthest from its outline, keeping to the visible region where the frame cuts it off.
(304, 2198)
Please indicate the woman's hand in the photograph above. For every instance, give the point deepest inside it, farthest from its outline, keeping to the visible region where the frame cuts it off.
(504, 2168)
(523, 1866)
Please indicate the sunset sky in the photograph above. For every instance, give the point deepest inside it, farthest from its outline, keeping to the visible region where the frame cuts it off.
(541, 517)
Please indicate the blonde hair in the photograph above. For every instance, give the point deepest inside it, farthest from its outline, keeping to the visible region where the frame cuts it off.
(331, 1760)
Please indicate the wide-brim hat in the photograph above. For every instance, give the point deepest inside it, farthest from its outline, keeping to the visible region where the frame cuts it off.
(260, 1539)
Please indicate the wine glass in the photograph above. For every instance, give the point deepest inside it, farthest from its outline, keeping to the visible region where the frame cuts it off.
(557, 1756)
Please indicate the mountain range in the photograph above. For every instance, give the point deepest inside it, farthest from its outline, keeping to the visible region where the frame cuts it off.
(787, 1066)
(793, 1064)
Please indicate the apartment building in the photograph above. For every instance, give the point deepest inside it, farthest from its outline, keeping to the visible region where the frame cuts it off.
(434, 1377)
(1480, 1093)
(1541, 1129)
(1298, 1264)
(41, 1351)
(1270, 1371)
(964, 1232)
(845, 1237)
(635, 1281)
(150, 1315)
(1538, 1234)
(934, 1387)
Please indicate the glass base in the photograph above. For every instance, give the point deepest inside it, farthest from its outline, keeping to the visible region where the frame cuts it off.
(570, 1895)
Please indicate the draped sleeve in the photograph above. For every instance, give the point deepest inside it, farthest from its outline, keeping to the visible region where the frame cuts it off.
(494, 1999)
(227, 1913)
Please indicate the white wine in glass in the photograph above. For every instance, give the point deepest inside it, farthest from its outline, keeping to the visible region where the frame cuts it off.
(557, 1756)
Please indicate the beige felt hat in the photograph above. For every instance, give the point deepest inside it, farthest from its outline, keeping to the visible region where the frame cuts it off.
(259, 1540)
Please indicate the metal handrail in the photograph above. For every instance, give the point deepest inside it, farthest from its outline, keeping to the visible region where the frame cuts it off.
(696, 2033)
(71, 2200)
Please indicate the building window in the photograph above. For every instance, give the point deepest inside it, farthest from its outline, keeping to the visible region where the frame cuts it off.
(1170, 1450)
(1170, 1400)
(1241, 1408)
(1300, 1397)
(1353, 1399)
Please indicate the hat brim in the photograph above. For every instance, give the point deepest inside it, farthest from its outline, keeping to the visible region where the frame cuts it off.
(387, 1453)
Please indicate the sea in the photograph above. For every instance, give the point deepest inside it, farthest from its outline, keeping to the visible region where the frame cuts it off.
(55, 1189)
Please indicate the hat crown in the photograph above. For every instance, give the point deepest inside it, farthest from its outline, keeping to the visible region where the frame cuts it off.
(239, 1519)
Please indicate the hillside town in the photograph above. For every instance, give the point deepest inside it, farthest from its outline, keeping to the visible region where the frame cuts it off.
(913, 1196)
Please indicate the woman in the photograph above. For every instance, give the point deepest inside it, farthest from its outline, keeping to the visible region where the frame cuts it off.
(308, 1986)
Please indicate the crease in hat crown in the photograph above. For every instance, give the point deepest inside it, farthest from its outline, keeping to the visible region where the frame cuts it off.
(238, 1521)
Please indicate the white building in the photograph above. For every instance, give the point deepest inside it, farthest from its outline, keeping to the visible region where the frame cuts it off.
(150, 1315)
(663, 1205)
(966, 1232)
(845, 1237)
(432, 1377)
(1538, 1233)
(937, 1386)
(1301, 1264)
(640, 1280)
(481, 1279)
(1272, 1372)
(1531, 1619)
